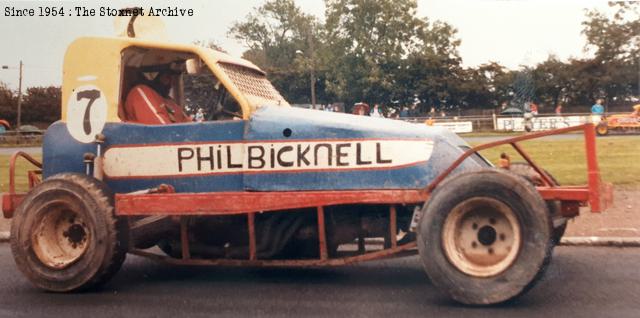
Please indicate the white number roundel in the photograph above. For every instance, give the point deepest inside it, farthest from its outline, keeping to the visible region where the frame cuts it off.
(86, 113)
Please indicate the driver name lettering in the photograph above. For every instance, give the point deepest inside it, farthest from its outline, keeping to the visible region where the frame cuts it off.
(257, 157)
(281, 157)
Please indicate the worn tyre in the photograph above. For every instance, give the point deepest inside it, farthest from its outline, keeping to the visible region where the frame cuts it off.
(485, 237)
(602, 129)
(65, 236)
(524, 170)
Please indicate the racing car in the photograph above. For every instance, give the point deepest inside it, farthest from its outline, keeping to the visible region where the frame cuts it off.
(625, 123)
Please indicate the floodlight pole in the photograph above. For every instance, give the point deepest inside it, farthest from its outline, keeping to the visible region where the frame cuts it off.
(19, 100)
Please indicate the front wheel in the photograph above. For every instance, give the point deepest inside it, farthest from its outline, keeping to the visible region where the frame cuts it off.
(65, 236)
(485, 237)
(602, 129)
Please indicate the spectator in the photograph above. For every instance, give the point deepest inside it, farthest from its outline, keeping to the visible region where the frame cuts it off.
(534, 109)
(199, 115)
(597, 108)
(413, 110)
(559, 109)
(361, 109)
(404, 112)
(375, 112)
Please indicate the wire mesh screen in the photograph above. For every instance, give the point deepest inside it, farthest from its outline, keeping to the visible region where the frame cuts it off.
(251, 82)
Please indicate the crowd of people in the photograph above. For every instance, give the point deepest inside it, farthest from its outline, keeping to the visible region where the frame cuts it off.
(382, 111)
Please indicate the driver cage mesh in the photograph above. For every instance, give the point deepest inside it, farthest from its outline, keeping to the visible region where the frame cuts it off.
(250, 82)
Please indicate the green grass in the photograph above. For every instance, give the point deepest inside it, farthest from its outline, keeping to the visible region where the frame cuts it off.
(22, 144)
(618, 158)
(492, 134)
(22, 166)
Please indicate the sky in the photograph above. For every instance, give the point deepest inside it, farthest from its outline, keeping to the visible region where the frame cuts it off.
(512, 33)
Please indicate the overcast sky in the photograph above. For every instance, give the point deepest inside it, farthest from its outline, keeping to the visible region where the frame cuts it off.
(512, 33)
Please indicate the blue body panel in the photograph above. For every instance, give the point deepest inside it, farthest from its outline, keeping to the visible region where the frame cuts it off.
(63, 154)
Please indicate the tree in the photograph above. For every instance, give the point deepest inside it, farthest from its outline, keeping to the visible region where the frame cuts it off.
(282, 40)
(8, 104)
(616, 41)
(382, 52)
(41, 104)
(552, 79)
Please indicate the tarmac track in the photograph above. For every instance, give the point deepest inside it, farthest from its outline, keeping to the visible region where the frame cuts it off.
(580, 282)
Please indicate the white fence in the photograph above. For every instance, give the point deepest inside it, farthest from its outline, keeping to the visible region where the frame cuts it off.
(543, 123)
(456, 126)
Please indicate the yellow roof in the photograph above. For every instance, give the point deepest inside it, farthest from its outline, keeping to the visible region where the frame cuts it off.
(95, 62)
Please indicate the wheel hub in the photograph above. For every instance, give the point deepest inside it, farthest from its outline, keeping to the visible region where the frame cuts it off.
(61, 237)
(75, 234)
(487, 235)
(481, 237)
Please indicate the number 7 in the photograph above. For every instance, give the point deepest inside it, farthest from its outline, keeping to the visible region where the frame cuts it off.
(91, 95)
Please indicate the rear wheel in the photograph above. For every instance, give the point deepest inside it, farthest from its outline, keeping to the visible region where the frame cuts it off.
(65, 236)
(484, 237)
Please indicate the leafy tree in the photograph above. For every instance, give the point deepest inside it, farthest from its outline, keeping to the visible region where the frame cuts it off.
(552, 79)
(616, 41)
(382, 52)
(283, 40)
(8, 104)
(41, 104)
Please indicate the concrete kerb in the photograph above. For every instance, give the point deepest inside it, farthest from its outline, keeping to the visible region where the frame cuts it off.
(611, 241)
(566, 241)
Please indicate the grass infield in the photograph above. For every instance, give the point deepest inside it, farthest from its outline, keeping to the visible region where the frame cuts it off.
(618, 158)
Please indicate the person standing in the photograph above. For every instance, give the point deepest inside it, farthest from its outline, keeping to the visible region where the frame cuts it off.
(404, 112)
(199, 116)
(559, 109)
(597, 108)
(534, 109)
(375, 112)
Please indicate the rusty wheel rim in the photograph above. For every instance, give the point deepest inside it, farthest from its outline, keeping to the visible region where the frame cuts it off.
(481, 237)
(602, 130)
(60, 237)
